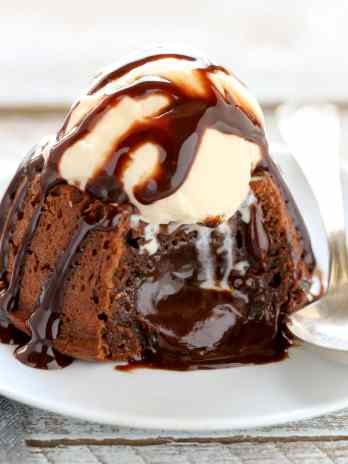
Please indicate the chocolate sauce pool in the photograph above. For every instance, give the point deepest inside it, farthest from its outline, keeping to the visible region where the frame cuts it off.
(193, 326)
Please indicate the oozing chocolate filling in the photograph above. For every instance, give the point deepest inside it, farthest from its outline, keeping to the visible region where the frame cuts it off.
(196, 327)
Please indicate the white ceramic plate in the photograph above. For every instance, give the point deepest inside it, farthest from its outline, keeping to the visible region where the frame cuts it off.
(303, 386)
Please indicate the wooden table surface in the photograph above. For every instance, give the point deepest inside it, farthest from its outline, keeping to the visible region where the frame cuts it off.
(54, 439)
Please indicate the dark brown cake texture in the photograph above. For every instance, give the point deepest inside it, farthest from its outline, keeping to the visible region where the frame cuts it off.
(83, 276)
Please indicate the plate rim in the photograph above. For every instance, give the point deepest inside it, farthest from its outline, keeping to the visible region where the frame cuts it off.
(144, 422)
(182, 425)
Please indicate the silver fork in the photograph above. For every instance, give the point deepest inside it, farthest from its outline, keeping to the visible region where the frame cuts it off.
(312, 133)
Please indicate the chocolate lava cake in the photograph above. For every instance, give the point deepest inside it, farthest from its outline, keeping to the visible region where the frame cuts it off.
(84, 272)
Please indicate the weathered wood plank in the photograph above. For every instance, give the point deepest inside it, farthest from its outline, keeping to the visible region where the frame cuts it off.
(240, 453)
(21, 130)
(45, 427)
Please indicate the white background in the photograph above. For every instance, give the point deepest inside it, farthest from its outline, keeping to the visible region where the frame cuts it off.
(281, 48)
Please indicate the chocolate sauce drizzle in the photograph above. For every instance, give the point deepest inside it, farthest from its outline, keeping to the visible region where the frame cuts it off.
(258, 240)
(178, 131)
(44, 322)
(124, 69)
(11, 210)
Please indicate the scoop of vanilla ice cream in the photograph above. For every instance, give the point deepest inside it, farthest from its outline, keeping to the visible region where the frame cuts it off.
(218, 181)
(211, 189)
